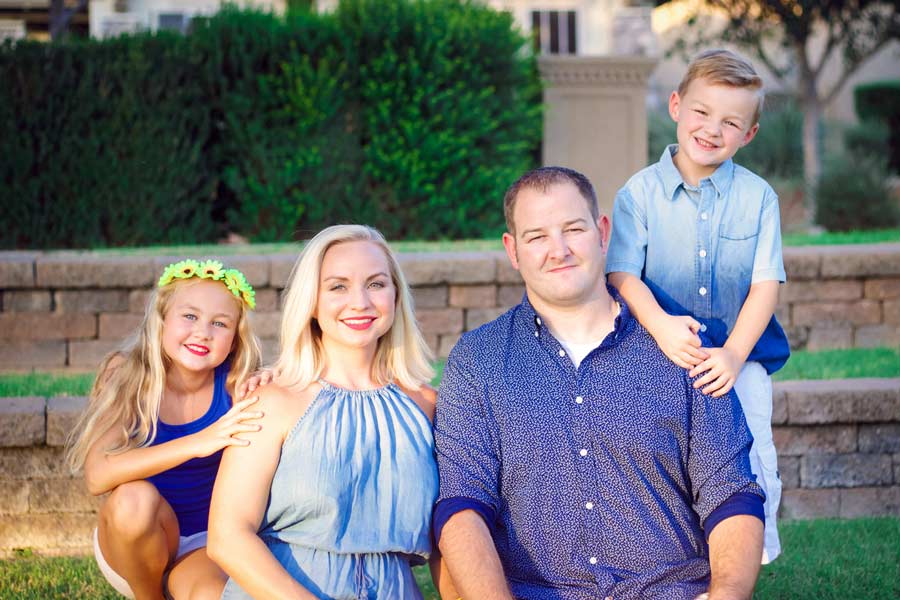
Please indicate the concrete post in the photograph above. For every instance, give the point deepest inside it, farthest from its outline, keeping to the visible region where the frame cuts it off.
(595, 118)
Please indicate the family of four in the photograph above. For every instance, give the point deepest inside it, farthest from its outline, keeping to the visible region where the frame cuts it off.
(609, 437)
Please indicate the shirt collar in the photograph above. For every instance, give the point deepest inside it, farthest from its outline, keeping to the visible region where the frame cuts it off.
(672, 179)
(533, 322)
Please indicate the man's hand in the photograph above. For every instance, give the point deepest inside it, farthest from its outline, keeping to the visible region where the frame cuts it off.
(721, 368)
(677, 338)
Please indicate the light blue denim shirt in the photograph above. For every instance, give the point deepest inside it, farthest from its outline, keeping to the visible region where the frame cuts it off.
(700, 249)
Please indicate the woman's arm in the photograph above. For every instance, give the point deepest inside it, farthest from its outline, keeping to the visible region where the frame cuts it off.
(103, 471)
(239, 502)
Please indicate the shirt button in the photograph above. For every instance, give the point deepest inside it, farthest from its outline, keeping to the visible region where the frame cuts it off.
(704, 216)
(702, 291)
(703, 327)
(538, 319)
(578, 399)
(593, 560)
(589, 505)
(537, 334)
(562, 352)
(703, 254)
(583, 452)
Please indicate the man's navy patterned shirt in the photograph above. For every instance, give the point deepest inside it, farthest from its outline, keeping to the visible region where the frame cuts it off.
(597, 481)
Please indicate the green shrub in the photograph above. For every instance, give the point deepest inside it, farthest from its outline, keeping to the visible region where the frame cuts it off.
(411, 115)
(102, 144)
(852, 193)
(880, 101)
(867, 138)
(777, 150)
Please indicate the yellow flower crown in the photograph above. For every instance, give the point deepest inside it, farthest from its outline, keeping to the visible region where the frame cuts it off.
(233, 279)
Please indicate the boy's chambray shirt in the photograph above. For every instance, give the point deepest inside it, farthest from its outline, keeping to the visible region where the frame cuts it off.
(596, 482)
(700, 250)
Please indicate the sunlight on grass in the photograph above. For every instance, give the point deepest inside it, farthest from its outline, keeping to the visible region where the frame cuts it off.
(825, 559)
(840, 364)
(842, 237)
(825, 364)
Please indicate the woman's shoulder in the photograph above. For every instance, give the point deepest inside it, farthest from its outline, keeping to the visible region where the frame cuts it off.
(286, 400)
(425, 398)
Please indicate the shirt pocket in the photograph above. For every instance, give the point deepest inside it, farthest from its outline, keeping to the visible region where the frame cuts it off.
(738, 231)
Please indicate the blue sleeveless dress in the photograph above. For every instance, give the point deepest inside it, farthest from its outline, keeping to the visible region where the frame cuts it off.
(350, 505)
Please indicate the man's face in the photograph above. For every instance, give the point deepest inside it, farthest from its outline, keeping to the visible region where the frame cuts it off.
(558, 248)
(714, 122)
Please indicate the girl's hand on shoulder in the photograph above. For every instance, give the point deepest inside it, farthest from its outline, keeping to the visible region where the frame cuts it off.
(221, 434)
(258, 379)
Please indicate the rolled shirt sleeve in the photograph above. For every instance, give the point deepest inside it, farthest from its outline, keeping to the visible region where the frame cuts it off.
(628, 243)
(466, 442)
(768, 263)
(718, 459)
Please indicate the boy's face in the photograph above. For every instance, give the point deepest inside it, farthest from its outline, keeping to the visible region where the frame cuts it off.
(714, 122)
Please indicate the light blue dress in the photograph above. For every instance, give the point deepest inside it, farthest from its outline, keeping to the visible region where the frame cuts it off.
(350, 504)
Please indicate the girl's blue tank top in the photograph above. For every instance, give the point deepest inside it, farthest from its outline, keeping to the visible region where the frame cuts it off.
(188, 487)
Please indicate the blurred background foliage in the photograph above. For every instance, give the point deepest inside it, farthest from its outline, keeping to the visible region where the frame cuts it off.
(410, 115)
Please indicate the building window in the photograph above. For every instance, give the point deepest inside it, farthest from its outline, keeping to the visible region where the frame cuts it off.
(554, 31)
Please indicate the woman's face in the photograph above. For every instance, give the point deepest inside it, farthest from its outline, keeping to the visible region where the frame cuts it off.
(357, 296)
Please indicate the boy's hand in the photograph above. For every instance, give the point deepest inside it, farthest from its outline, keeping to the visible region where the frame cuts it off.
(721, 368)
(258, 379)
(677, 338)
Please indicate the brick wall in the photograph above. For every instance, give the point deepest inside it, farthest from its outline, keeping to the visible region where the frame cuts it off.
(67, 310)
(838, 444)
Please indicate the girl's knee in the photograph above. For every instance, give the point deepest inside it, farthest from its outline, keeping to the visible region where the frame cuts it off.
(132, 508)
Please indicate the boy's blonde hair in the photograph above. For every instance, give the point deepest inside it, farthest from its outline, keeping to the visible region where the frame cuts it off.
(130, 382)
(401, 354)
(724, 67)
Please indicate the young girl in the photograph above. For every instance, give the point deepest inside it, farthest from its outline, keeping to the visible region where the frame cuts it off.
(159, 415)
(333, 498)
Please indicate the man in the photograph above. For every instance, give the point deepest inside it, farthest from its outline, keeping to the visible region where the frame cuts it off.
(576, 461)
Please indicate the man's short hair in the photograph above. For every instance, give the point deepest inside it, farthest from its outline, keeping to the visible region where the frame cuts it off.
(541, 179)
(724, 67)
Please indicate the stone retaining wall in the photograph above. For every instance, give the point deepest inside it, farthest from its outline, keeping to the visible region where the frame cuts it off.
(838, 443)
(67, 310)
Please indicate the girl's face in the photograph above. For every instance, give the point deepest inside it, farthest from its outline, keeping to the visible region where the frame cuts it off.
(356, 299)
(199, 326)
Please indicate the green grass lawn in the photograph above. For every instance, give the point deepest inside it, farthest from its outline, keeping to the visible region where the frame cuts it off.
(876, 236)
(473, 245)
(825, 559)
(825, 364)
(838, 364)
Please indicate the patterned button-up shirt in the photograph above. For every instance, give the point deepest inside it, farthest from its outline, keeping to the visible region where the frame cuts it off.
(596, 481)
(699, 249)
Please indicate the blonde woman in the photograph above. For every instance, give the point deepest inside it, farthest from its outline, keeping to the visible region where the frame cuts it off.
(333, 497)
(159, 414)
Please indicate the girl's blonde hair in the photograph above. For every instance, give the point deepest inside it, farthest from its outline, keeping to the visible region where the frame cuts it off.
(401, 356)
(130, 382)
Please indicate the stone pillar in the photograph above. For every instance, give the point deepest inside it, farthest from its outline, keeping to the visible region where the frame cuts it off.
(595, 118)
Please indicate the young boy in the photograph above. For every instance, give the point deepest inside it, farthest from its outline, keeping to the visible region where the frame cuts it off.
(696, 249)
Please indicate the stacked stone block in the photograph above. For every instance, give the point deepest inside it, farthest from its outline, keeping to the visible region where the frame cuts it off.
(67, 310)
(838, 444)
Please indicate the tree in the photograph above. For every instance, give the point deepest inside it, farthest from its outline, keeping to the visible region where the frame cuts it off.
(795, 39)
(61, 12)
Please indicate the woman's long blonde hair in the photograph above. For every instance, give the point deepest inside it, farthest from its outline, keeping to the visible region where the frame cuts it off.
(127, 392)
(401, 356)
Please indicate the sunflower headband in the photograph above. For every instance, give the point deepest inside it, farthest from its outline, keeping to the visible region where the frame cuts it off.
(233, 279)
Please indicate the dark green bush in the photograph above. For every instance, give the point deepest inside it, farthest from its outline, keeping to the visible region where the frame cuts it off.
(880, 101)
(100, 145)
(852, 193)
(411, 115)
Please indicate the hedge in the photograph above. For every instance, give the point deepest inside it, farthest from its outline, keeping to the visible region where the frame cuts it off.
(879, 101)
(410, 115)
